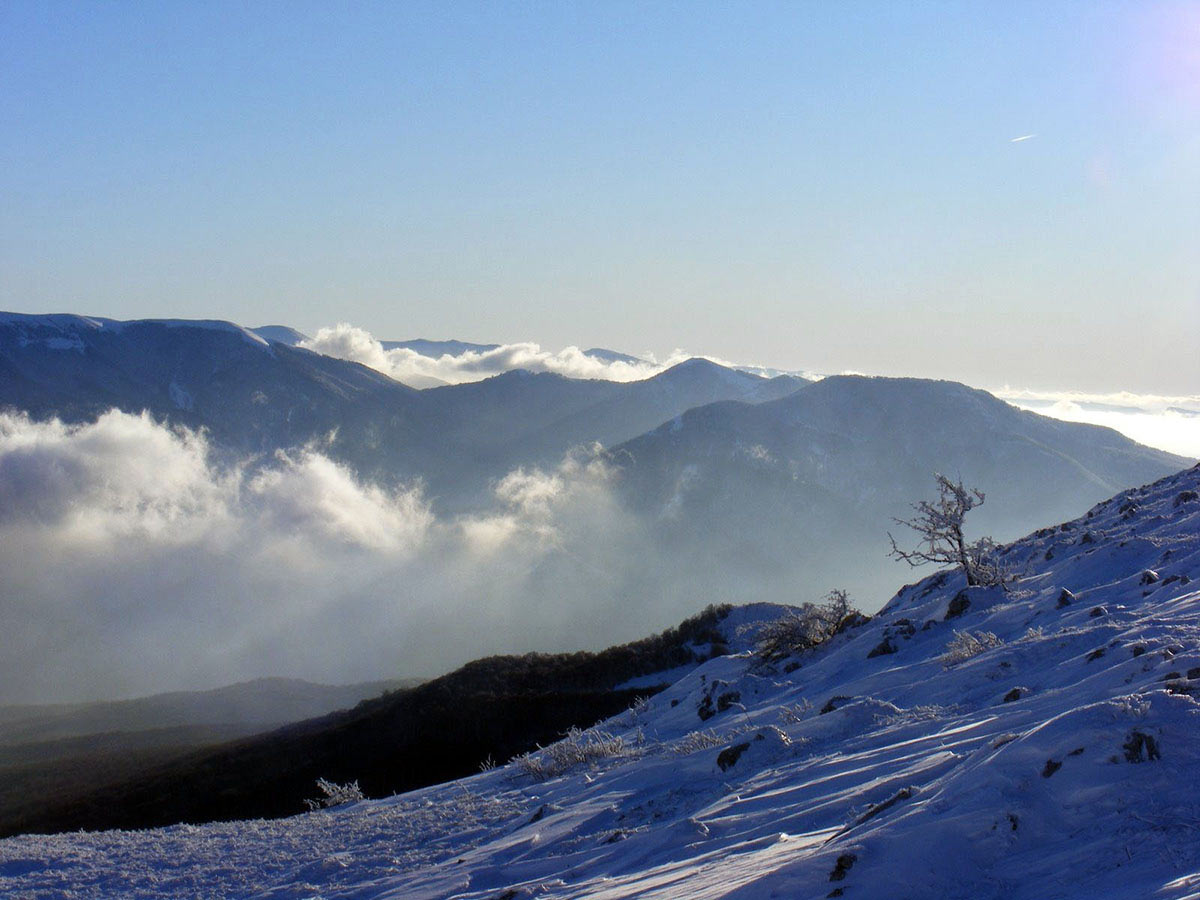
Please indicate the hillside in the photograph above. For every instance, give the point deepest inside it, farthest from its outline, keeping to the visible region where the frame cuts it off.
(1050, 755)
(442, 729)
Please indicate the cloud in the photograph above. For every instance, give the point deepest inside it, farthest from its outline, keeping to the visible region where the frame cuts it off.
(1170, 423)
(345, 341)
(1023, 137)
(135, 562)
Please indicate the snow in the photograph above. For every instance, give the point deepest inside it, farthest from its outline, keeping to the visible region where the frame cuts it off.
(900, 775)
(71, 326)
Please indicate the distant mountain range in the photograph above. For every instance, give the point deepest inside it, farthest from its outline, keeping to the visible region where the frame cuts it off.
(249, 706)
(256, 393)
(752, 486)
(63, 750)
(416, 735)
(433, 349)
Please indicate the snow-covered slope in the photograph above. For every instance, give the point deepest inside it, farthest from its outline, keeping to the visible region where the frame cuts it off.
(1058, 761)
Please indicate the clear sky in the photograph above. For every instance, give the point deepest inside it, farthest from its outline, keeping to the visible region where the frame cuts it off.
(814, 185)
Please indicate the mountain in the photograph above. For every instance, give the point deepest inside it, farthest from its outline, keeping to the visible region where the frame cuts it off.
(747, 488)
(1033, 741)
(523, 418)
(441, 729)
(437, 349)
(759, 498)
(642, 405)
(255, 393)
(280, 334)
(612, 356)
(252, 395)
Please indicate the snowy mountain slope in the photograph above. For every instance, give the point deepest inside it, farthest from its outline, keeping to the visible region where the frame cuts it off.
(281, 334)
(1059, 761)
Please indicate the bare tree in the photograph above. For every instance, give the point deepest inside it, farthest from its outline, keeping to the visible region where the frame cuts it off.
(940, 527)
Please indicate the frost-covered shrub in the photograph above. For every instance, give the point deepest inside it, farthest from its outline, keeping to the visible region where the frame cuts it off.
(694, 741)
(966, 644)
(931, 712)
(637, 709)
(796, 713)
(335, 794)
(578, 747)
(812, 624)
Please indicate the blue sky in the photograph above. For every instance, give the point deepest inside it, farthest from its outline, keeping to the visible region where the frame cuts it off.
(820, 185)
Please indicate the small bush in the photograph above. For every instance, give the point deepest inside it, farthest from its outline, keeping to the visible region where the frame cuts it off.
(926, 713)
(695, 741)
(578, 747)
(335, 794)
(966, 644)
(639, 708)
(796, 713)
(813, 624)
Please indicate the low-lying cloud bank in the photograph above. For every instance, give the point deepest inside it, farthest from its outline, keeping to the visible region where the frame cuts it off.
(135, 563)
(345, 341)
(1170, 423)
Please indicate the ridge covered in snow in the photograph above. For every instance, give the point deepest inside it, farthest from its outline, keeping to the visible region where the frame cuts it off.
(1036, 742)
(58, 331)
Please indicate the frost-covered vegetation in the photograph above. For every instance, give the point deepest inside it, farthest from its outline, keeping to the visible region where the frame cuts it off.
(966, 644)
(333, 794)
(578, 747)
(804, 627)
(939, 525)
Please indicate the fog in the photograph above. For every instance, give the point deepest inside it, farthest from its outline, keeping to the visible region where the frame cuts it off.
(1170, 423)
(135, 563)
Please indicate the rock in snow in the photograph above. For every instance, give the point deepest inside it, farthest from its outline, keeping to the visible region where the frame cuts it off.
(927, 777)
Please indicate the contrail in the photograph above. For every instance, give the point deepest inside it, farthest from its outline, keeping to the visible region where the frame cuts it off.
(1023, 137)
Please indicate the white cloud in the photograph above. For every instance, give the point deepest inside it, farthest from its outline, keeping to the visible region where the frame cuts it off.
(134, 562)
(346, 341)
(1170, 423)
(403, 364)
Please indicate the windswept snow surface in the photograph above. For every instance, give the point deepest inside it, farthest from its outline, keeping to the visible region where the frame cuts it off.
(1061, 761)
